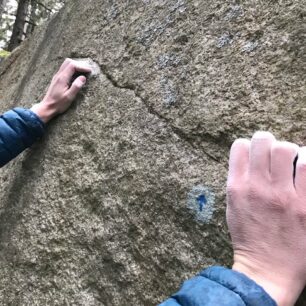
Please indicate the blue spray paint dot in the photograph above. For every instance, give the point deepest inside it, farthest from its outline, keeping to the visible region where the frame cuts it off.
(201, 201)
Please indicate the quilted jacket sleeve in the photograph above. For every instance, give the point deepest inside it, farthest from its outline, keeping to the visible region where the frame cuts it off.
(222, 287)
(19, 129)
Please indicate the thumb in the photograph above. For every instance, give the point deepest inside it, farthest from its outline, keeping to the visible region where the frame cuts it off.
(75, 87)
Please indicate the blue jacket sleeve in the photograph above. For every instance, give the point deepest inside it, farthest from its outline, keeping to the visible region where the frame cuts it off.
(220, 286)
(19, 129)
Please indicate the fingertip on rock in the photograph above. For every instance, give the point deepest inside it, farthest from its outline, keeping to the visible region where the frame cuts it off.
(263, 135)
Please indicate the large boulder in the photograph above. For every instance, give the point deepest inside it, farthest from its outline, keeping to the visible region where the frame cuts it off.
(124, 197)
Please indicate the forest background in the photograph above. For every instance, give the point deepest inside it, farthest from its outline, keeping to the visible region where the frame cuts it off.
(18, 19)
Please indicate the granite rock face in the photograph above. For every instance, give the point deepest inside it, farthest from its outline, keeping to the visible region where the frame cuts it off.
(124, 197)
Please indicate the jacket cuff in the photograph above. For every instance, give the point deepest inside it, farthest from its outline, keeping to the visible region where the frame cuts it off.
(250, 292)
(35, 125)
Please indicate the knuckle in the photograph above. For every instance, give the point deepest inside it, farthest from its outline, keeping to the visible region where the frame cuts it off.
(234, 190)
(259, 194)
(68, 97)
(71, 64)
(59, 79)
(300, 215)
(66, 61)
(277, 207)
(253, 193)
(279, 204)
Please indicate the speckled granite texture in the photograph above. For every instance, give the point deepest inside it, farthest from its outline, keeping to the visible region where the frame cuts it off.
(124, 197)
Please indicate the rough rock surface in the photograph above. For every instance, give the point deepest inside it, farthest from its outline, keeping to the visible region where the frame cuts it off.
(124, 197)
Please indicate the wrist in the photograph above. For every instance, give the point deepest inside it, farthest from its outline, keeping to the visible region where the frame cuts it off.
(43, 111)
(283, 290)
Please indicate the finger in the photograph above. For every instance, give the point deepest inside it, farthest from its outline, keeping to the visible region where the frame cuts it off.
(74, 66)
(75, 87)
(238, 161)
(65, 63)
(300, 172)
(260, 151)
(283, 154)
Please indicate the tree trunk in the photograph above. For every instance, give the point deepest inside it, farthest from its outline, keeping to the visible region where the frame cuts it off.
(1, 9)
(18, 29)
(2, 6)
(33, 18)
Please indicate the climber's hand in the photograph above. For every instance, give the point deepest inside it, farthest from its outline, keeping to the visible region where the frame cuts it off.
(60, 94)
(266, 214)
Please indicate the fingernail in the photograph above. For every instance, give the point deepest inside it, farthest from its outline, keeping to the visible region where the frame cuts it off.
(83, 79)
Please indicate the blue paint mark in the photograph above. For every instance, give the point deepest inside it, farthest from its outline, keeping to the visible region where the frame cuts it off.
(201, 201)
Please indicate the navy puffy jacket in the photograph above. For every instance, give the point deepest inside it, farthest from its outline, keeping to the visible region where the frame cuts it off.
(215, 286)
(19, 129)
(218, 286)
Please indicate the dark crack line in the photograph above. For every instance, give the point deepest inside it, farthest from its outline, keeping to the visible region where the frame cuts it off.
(131, 87)
(180, 134)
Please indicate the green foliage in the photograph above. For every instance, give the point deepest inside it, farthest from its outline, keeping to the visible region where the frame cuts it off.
(4, 54)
